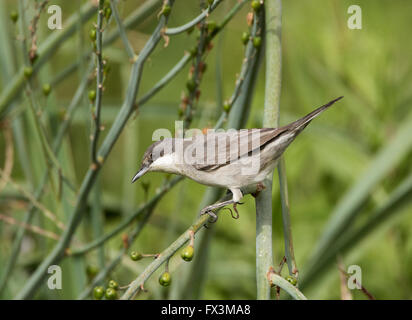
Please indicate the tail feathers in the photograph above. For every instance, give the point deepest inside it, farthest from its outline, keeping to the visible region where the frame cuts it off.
(301, 123)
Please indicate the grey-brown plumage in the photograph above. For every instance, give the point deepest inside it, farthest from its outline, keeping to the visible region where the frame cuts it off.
(231, 159)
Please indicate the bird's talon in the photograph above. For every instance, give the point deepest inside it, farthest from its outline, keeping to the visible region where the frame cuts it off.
(213, 216)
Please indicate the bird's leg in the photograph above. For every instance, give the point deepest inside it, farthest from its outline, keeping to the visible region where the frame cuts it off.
(237, 195)
(209, 209)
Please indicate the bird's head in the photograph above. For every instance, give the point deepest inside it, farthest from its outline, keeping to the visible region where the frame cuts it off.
(155, 152)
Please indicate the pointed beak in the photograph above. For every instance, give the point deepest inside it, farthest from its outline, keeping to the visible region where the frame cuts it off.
(140, 173)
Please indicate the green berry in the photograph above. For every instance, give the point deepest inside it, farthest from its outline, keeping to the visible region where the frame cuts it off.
(257, 41)
(98, 293)
(227, 106)
(292, 280)
(107, 12)
(187, 253)
(191, 85)
(256, 5)
(166, 10)
(28, 71)
(46, 89)
(136, 256)
(14, 16)
(165, 279)
(113, 284)
(92, 271)
(92, 34)
(111, 294)
(92, 95)
(245, 37)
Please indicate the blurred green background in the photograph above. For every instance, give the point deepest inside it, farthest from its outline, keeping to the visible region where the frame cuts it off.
(337, 153)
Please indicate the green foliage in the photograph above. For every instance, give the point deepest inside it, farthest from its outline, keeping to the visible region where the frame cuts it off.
(353, 160)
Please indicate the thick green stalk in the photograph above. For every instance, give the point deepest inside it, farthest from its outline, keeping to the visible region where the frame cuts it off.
(264, 251)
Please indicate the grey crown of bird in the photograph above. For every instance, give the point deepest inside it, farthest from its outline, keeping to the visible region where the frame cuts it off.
(231, 159)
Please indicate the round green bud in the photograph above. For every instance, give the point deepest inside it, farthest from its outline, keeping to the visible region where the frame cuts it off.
(257, 41)
(14, 16)
(166, 10)
(165, 279)
(111, 294)
(245, 37)
(256, 5)
(107, 12)
(113, 284)
(136, 256)
(98, 293)
(187, 253)
(292, 280)
(92, 270)
(92, 34)
(46, 89)
(191, 85)
(92, 95)
(28, 71)
(227, 106)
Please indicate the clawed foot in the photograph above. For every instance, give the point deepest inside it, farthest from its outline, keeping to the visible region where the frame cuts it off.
(207, 210)
(210, 210)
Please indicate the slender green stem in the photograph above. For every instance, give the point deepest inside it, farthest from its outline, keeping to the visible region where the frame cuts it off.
(58, 252)
(276, 280)
(40, 189)
(163, 257)
(96, 243)
(136, 285)
(99, 82)
(195, 21)
(122, 30)
(348, 207)
(398, 199)
(45, 51)
(287, 229)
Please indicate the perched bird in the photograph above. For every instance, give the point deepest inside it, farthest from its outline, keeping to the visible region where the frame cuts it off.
(231, 159)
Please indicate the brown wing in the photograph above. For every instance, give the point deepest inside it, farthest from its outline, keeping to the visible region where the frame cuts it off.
(218, 149)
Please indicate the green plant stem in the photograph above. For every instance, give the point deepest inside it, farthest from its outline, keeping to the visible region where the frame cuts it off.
(277, 280)
(122, 30)
(99, 83)
(156, 198)
(349, 206)
(287, 229)
(58, 252)
(40, 189)
(164, 256)
(264, 251)
(397, 200)
(195, 21)
(45, 51)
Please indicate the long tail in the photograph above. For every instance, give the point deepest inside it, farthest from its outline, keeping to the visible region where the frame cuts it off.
(301, 123)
